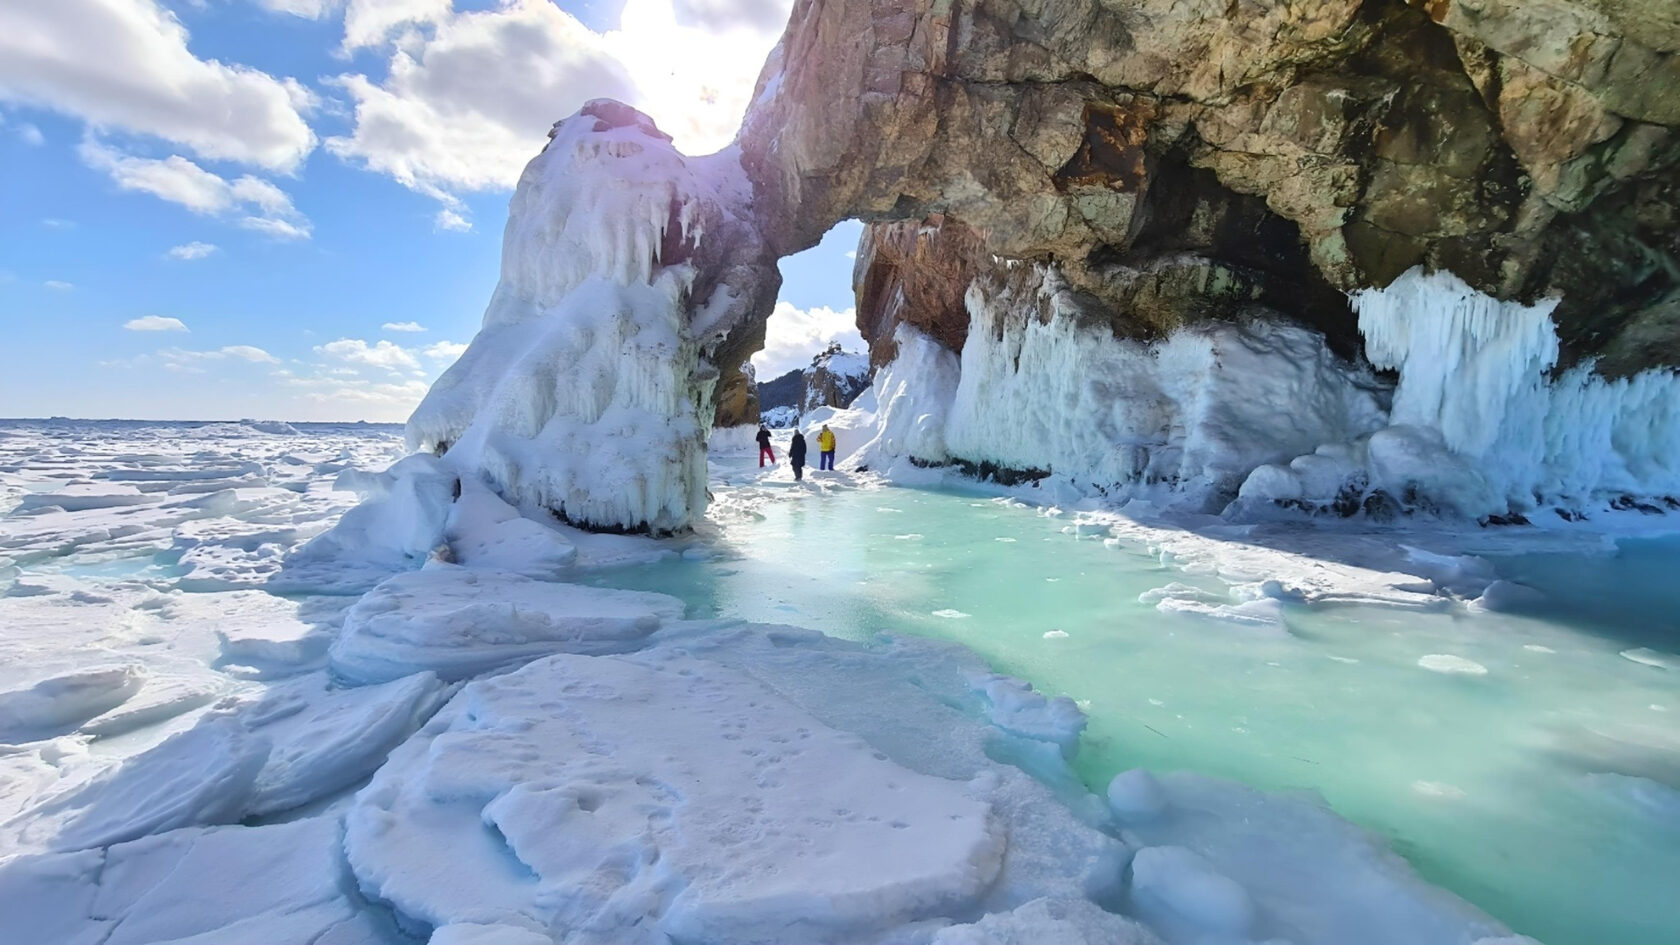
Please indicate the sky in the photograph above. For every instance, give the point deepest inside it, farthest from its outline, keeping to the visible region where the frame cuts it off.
(292, 209)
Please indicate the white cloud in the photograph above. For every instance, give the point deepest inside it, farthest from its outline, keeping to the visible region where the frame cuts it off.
(31, 135)
(155, 323)
(257, 203)
(469, 96)
(369, 22)
(193, 250)
(182, 357)
(384, 354)
(465, 107)
(448, 219)
(58, 286)
(402, 326)
(851, 254)
(445, 350)
(794, 336)
(125, 64)
(54, 223)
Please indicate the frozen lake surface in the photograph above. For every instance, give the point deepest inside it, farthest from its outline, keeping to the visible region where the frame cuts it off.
(1499, 705)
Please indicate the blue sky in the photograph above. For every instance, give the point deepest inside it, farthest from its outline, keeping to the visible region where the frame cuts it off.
(293, 208)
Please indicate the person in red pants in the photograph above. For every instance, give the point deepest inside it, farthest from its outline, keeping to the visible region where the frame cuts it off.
(764, 450)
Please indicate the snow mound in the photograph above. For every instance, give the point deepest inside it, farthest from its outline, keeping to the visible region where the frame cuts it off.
(588, 389)
(692, 803)
(460, 622)
(1049, 922)
(903, 414)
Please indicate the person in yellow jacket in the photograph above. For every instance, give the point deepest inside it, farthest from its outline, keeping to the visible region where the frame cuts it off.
(825, 443)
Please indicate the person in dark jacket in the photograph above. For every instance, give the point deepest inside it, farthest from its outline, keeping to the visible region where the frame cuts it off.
(764, 450)
(796, 455)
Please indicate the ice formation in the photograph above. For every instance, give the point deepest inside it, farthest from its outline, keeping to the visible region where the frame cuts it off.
(588, 390)
(1478, 427)
(160, 704)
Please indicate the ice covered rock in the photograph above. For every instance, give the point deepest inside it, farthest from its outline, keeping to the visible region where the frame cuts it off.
(589, 389)
(1046, 386)
(1049, 922)
(660, 795)
(1477, 426)
(459, 622)
(905, 408)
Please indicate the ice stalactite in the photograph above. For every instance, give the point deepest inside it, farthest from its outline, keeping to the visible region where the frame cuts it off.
(589, 389)
(1477, 426)
(1046, 385)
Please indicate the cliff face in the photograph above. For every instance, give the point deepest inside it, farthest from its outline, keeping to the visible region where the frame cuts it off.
(1178, 162)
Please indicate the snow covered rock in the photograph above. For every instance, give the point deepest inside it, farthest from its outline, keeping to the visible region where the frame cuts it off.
(661, 796)
(625, 269)
(834, 379)
(459, 622)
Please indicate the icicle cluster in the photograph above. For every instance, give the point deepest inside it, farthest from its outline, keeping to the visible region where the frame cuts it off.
(1477, 427)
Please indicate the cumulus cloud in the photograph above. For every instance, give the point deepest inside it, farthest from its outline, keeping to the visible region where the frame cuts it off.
(403, 326)
(468, 105)
(384, 354)
(448, 219)
(252, 202)
(468, 96)
(445, 350)
(124, 64)
(193, 250)
(155, 323)
(794, 336)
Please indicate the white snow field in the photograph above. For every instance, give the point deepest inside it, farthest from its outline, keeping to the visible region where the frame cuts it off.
(224, 723)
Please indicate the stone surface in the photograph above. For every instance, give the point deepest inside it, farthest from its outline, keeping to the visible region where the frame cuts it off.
(1302, 150)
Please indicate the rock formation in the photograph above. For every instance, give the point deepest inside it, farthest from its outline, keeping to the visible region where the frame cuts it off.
(1300, 150)
(1153, 167)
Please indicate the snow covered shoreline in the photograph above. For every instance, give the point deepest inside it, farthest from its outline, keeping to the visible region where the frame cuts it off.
(293, 743)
